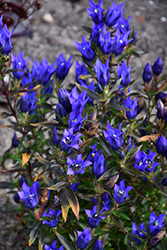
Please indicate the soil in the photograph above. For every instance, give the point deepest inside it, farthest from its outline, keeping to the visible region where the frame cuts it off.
(55, 28)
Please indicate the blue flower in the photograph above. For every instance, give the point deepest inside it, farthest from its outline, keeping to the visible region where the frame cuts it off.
(69, 140)
(64, 99)
(157, 66)
(121, 192)
(60, 111)
(99, 164)
(80, 70)
(102, 72)
(97, 30)
(161, 145)
(147, 73)
(77, 166)
(83, 239)
(85, 49)
(94, 218)
(114, 137)
(113, 14)
(136, 230)
(120, 41)
(74, 187)
(15, 142)
(98, 245)
(106, 42)
(145, 161)
(123, 24)
(63, 67)
(5, 38)
(53, 246)
(96, 11)
(30, 194)
(106, 202)
(161, 110)
(52, 214)
(28, 102)
(161, 95)
(133, 105)
(156, 223)
(43, 71)
(19, 63)
(56, 138)
(123, 72)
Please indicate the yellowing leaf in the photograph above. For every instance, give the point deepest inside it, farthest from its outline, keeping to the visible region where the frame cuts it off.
(25, 158)
(149, 137)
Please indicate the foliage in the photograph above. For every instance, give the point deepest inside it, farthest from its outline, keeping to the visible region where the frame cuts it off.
(90, 166)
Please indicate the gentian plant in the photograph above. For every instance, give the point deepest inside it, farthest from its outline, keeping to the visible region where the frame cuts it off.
(89, 168)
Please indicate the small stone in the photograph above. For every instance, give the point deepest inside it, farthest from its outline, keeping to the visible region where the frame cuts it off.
(163, 19)
(151, 2)
(47, 17)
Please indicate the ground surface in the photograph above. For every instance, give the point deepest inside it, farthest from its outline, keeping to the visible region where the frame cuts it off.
(51, 37)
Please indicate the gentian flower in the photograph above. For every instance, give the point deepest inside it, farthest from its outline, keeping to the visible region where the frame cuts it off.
(106, 42)
(161, 110)
(43, 71)
(85, 49)
(97, 30)
(161, 95)
(156, 223)
(147, 73)
(133, 105)
(102, 72)
(74, 187)
(114, 137)
(161, 145)
(60, 111)
(99, 164)
(64, 100)
(63, 67)
(98, 245)
(123, 72)
(28, 102)
(106, 202)
(113, 14)
(69, 140)
(94, 218)
(145, 161)
(83, 239)
(121, 192)
(19, 63)
(123, 24)
(119, 42)
(136, 230)
(80, 70)
(30, 194)
(5, 38)
(56, 138)
(96, 11)
(157, 67)
(15, 142)
(52, 213)
(53, 246)
(77, 166)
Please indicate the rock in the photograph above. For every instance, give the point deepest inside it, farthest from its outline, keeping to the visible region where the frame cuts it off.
(47, 17)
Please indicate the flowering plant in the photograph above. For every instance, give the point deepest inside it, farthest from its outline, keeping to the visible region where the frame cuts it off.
(99, 148)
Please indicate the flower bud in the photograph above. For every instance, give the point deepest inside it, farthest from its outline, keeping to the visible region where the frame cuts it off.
(15, 142)
(164, 182)
(161, 111)
(158, 66)
(147, 73)
(161, 145)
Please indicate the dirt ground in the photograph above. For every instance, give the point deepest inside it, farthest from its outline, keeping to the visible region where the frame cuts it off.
(55, 28)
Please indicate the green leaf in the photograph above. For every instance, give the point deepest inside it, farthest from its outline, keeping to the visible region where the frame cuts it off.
(64, 241)
(105, 145)
(5, 184)
(109, 173)
(118, 107)
(93, 95)
(108, 184)
(34, 232)
(117, 222)
(41, 241)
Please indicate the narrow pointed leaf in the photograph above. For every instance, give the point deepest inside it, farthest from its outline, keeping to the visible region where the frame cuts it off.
(34, 232)
(64, 241)
(93, 95)
(58, 186)
(73, 201)
(92, 243)
(25, 158)
(64, 205)
(108, 184)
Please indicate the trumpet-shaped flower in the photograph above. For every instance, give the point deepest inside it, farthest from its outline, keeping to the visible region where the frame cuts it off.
(63, 67)
(113, 14)
(52, 214)
(136, 230)
(85, 49)
(121, 192)
(156, 223)
(20, 64)
(102, 72)
(83, 239)
(96, 11)
(77, 166)
(53, 246)
(30, 194)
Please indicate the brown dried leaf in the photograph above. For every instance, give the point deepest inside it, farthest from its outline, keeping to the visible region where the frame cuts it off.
(149, 137)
